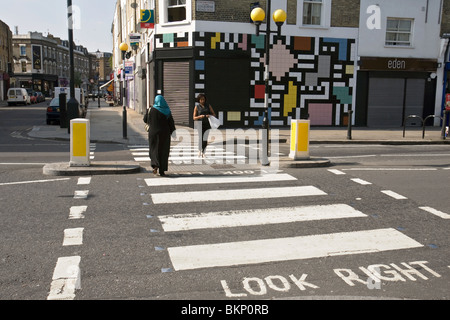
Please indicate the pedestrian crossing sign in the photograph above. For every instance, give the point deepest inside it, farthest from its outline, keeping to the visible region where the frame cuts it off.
(147, 19)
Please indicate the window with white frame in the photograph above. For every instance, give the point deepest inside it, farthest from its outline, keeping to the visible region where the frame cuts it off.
(175, 11)
(398, 32)
(312, 12)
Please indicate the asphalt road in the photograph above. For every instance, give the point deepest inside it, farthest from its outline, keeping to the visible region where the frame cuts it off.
(126, 248)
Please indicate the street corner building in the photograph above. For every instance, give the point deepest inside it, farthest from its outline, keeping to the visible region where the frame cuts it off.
(333, 62)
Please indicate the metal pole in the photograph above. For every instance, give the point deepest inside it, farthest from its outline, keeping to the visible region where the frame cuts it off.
(124, 103)
(266, 120)
(72, 104)
(349, 128)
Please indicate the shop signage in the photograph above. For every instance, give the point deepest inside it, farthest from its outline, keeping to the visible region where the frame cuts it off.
(397, 64)
(129, 68)
(147, 19)
(135, 38)
(206, 6)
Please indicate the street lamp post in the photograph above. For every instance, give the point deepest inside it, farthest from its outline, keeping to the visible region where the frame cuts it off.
(72, 104)
(279, 16)
(124, 48)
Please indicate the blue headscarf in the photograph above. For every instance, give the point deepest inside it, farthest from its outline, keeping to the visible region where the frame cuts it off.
(161, 105)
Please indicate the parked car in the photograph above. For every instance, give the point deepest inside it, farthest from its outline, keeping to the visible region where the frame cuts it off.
(18, 96)
(53, 111)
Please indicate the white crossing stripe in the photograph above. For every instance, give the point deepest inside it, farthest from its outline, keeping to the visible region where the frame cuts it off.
(152, 182)
(187, 154)
(438, 213)
(81, 194)
(336, 171)
(190, 221)
(84, 180)
(66, 279)
(393, 194)
(285, 249)
(77, 212)
(235, 194)
(73, 237)
(361, 181)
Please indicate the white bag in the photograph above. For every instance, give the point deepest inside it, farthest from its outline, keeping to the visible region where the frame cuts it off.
(214, 122)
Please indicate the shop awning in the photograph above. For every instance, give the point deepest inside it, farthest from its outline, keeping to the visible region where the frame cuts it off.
(106, 84)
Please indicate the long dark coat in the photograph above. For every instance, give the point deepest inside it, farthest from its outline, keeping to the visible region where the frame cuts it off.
(161, 128)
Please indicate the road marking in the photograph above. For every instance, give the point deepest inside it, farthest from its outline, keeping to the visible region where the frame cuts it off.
(152, 182)
(77, 212)
(390, 169)
(66, 279)
(337, 172)
(81, 194)
(285, 249)
(438, 213)
(33, 181)
(22, 164)
(73, 237)
(360, 181)
(235, 194)
(350, 157)
(393, 194)
(84, 180)
(224, 219)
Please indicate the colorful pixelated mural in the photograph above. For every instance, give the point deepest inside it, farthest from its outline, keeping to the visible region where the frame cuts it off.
(310, 77)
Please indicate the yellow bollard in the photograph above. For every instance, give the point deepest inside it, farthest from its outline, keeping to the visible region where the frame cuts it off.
(299, 139)
(79, 143)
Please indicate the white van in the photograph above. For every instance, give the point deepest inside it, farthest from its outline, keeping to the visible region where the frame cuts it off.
(18, 96)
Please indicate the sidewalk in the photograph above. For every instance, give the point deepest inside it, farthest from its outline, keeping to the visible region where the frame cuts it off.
(106, 126)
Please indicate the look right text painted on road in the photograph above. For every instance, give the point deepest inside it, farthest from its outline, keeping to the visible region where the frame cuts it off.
(375, 273)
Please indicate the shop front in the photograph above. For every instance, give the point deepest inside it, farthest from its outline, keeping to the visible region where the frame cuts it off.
(390, 90)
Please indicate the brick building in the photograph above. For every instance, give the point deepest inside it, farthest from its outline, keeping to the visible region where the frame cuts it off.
(315, 64)
(5, 59)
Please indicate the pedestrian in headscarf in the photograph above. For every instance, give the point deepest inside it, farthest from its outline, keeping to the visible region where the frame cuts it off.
(159, 118)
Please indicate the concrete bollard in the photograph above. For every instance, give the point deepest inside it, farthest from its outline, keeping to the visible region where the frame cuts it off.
(79, 143)
(299, 139)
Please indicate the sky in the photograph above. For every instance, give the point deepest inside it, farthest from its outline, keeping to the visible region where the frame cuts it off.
(92, 29)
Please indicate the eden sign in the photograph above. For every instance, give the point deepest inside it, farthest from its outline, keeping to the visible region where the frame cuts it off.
(397, 64)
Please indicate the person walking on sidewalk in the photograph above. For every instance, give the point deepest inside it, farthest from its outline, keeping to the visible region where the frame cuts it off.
(161, 123)
(202, 111)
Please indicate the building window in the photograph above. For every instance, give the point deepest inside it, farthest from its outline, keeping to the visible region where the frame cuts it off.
(176, 10)
(24, 66)
(312, 12)
(23, 50)
(398, 32)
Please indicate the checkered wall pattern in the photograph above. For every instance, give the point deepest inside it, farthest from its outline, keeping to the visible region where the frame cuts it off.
(309, 76)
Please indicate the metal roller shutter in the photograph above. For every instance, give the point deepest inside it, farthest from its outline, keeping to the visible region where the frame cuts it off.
(176, 89)
(385, 105)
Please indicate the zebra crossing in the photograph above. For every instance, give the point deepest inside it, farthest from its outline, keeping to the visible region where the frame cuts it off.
(188, 154)
(210, 255)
